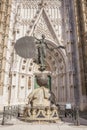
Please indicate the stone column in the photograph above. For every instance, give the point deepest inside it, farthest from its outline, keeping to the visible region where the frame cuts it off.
(5, 17)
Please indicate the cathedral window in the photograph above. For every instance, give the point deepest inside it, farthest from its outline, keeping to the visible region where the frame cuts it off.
(29, 83)
(14, 74)
(24, 61)
(13, 86)
(22, 87)
(8, 88)
(29, 69)
(17, 30)
(23, 67)
(31, 64)
(22, 76)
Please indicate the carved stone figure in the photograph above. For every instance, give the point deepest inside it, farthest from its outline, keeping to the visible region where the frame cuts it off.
(40, 97)
(41, 103)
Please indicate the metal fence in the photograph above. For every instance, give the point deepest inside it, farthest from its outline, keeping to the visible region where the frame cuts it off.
(72, 113)
(9, 112)
(17, 111)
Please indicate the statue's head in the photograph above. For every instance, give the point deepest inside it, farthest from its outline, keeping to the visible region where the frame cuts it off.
(43, 36)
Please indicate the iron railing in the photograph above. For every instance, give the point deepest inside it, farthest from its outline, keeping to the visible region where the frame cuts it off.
(17, 111)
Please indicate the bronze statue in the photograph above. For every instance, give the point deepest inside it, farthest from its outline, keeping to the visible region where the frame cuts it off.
(41, 46)
(41, 51)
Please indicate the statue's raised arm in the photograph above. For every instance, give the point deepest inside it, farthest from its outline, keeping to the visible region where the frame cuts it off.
(41, 47)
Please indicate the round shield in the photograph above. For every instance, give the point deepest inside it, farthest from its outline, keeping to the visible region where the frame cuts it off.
(25, 47)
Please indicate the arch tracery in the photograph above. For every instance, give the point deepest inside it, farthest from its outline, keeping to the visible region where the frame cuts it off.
(56, 60)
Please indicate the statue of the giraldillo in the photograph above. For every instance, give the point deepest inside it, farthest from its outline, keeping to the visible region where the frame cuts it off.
(41, 47)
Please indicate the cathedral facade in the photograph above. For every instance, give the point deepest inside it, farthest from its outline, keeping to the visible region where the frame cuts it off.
(64, 23)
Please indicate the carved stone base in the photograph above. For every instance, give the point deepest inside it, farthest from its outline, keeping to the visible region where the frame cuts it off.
(40, 114)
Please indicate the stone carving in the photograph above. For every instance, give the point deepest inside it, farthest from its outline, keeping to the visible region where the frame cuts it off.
(41, 104)
(40, 97)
